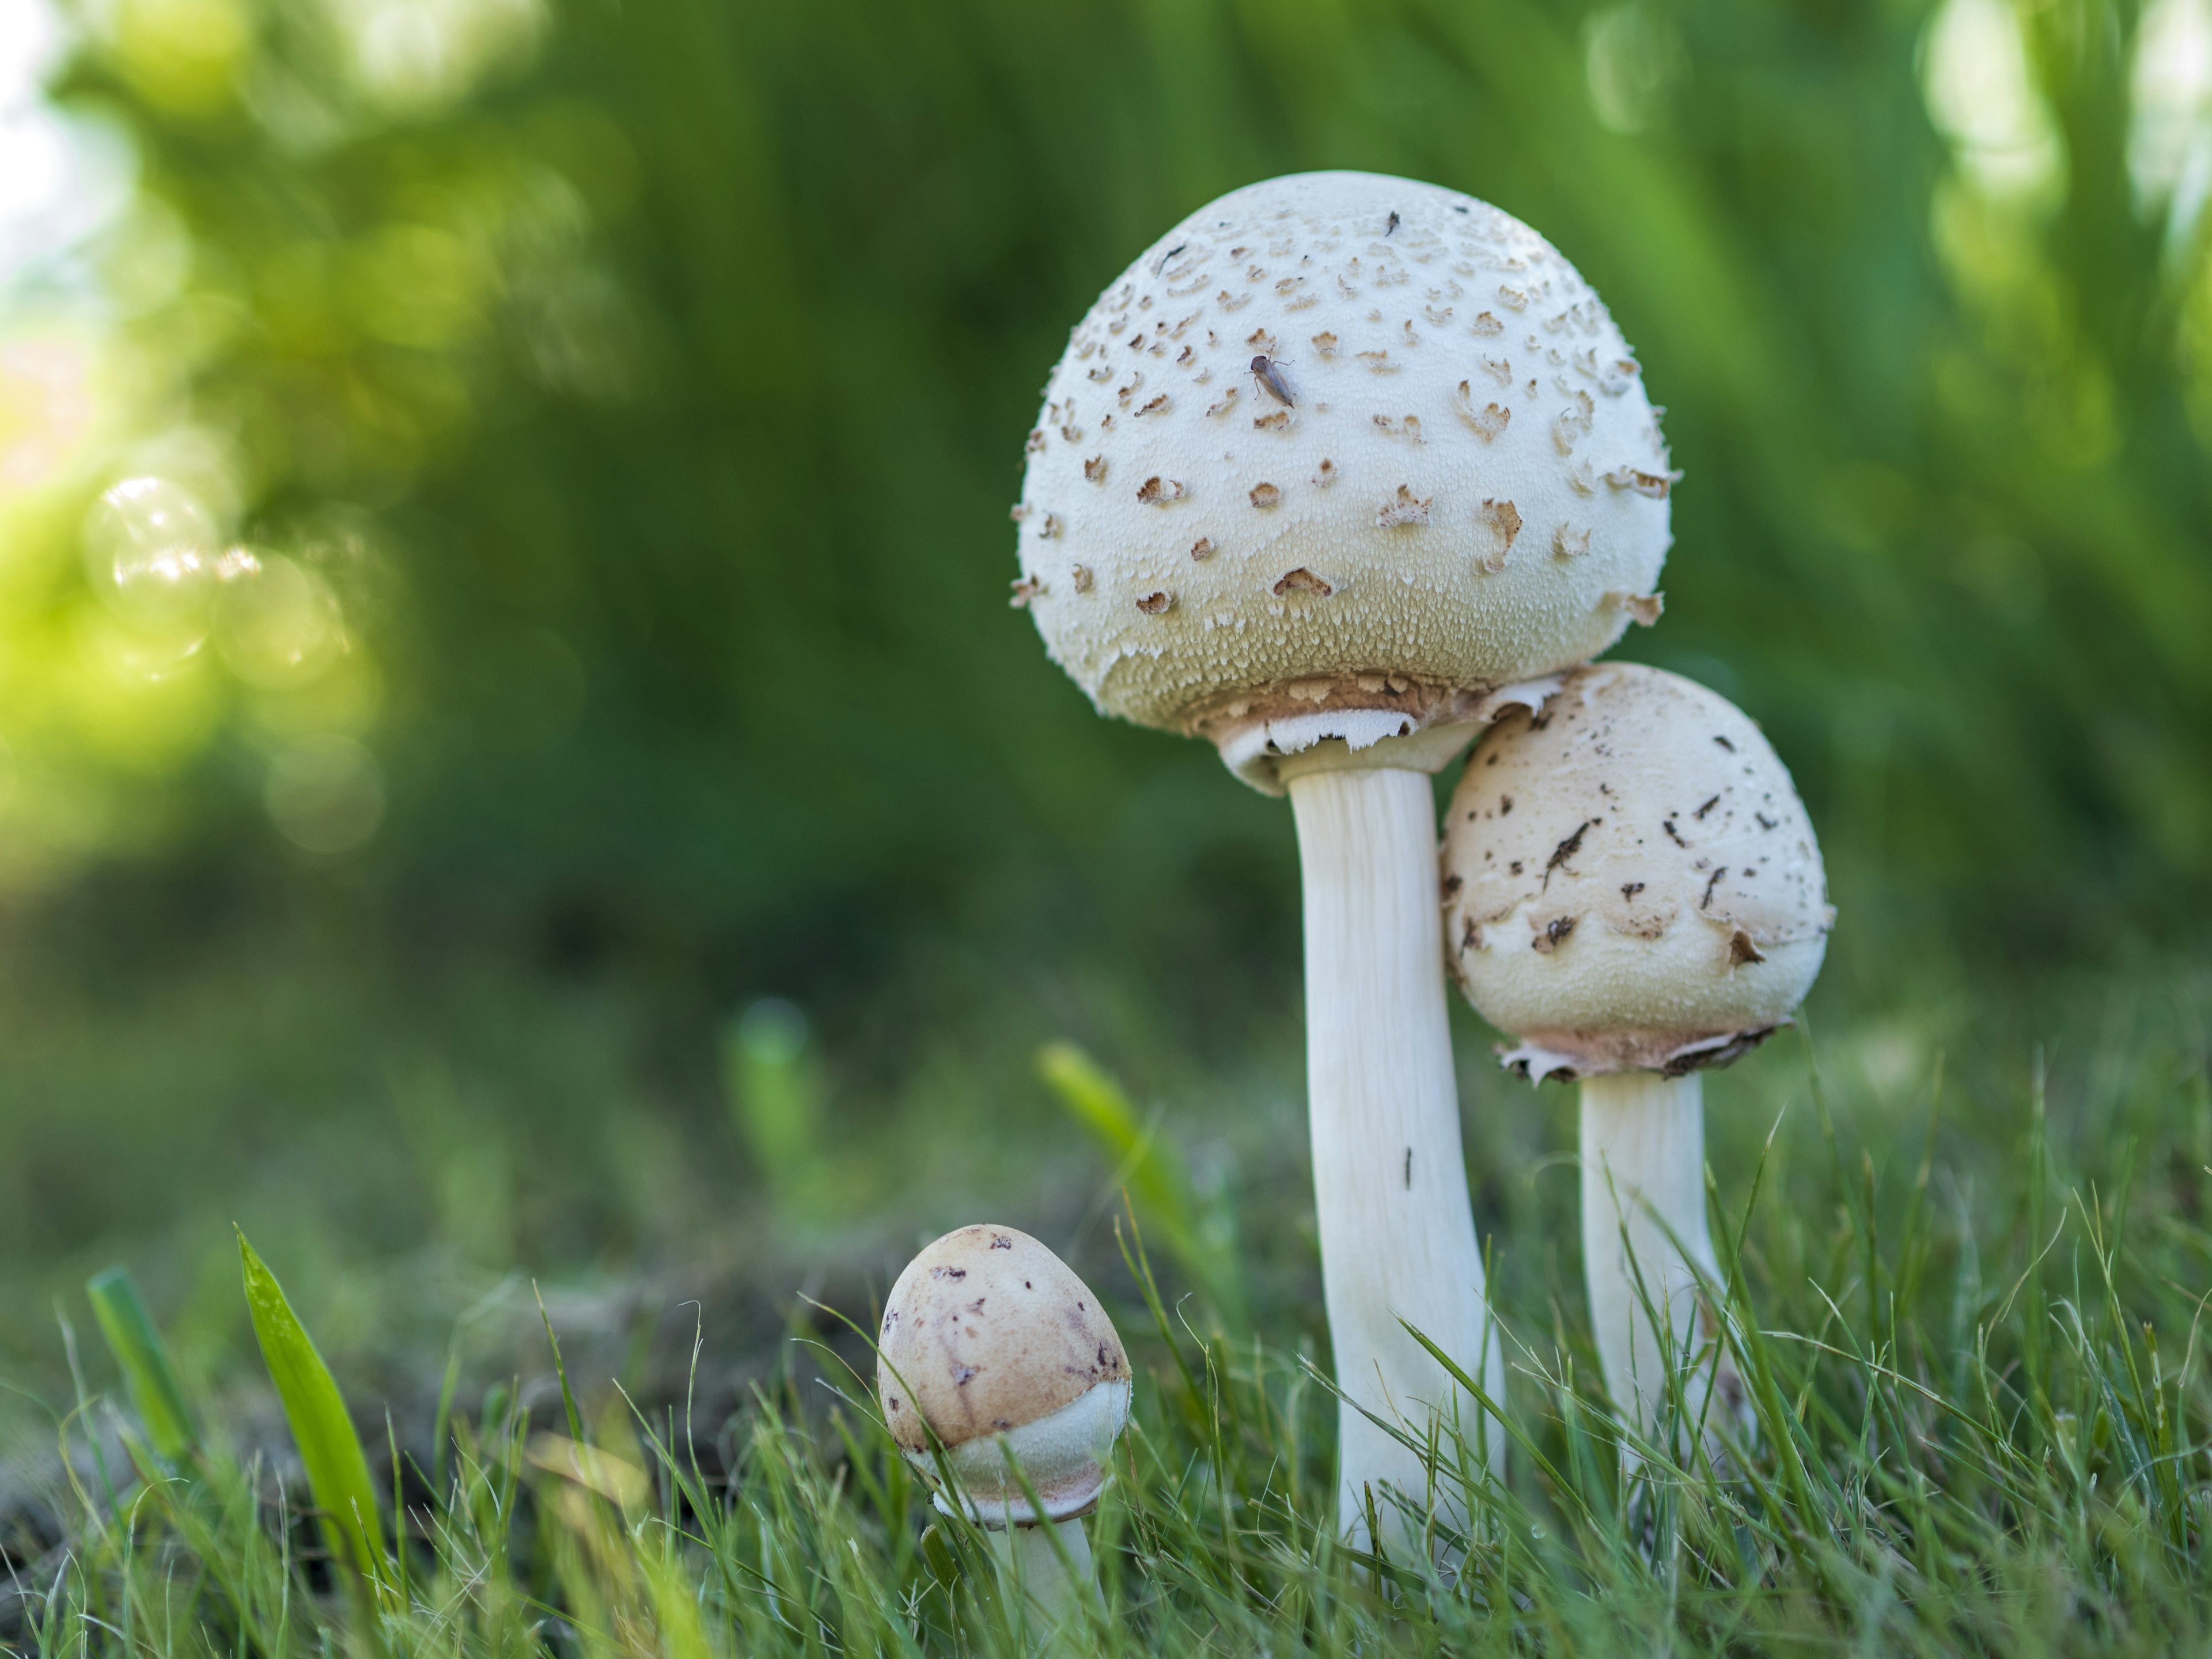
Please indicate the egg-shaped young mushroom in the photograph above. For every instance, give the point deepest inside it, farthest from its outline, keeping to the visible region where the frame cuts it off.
(1633, 888)
(1337, 463)
(990, 1344)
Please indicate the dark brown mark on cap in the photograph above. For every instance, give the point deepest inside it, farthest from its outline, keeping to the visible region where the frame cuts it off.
(1565, 850)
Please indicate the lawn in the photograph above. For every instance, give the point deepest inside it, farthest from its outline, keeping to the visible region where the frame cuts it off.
(1964, 1292)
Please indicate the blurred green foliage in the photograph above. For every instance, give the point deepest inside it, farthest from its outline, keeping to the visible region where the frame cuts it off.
(143, 1356)
(621, 404)
(1155, 1188)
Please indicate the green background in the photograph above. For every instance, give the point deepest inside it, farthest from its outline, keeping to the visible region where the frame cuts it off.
(646, 385)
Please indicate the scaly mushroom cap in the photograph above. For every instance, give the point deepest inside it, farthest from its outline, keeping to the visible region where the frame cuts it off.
(1630, 879)
(1466, 487)
(988, 1332)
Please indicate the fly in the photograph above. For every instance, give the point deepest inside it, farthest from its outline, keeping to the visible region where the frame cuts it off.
(1269, 374)
(1393, 227)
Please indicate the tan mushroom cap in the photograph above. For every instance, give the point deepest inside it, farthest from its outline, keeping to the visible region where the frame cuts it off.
(988, 1332)
(1630, 879)
(1467, 488)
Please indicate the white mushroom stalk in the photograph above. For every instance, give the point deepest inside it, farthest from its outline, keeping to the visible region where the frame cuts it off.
(1633, 888)
(990, 1343)
(1337, 462)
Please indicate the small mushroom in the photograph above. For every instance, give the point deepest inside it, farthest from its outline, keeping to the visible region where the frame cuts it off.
(993, 1349)
(1654, 821)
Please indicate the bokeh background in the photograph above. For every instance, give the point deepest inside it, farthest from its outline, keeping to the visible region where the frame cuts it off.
(515, 758)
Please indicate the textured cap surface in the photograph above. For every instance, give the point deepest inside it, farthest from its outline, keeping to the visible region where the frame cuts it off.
(1338, 440)
(987, 1331)
(1630, 879)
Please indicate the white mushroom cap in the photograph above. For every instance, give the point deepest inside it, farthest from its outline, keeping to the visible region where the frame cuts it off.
(1630, 879)
(988, 1335)
(1467, 488)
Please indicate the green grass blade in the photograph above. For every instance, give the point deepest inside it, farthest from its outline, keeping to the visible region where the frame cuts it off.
(337, 1469)
(1150, 1168)
(560, 1370)
(143, 1358)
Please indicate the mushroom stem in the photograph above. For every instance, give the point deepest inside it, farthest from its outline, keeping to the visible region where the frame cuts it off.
(1027, 1557)
(1644, 1218)
(1397, 1230)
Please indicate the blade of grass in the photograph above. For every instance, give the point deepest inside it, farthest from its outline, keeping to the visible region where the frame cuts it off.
(1150, 1167)
(330, 1447)
(560, 1370)
(143, 1358)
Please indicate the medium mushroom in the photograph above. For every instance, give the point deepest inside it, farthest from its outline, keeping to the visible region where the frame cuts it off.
(1337, 462)
(993, 1347)
(1632, 889)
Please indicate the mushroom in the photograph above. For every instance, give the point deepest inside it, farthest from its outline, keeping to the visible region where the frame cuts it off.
(1633, 889)
(1311, 464)
(992, 1348)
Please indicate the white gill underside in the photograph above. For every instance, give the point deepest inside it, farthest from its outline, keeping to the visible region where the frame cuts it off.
(1063, 1455)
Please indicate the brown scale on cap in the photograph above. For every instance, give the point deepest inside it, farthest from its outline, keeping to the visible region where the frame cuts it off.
(987, 1331)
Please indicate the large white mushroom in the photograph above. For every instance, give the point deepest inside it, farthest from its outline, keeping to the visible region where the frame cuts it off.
(1632, 889)
(992, 1344)
(1334, 465)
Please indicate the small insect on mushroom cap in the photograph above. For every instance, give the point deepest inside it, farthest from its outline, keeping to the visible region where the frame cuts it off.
(1634, 881)
(1350, 352)
(1269, 373)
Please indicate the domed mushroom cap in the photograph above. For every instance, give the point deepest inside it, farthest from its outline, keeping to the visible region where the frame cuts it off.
(1339, 440)
(988, 1332)
(1630, 879)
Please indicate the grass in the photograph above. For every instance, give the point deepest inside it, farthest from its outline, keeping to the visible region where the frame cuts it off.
(1984, 1424)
